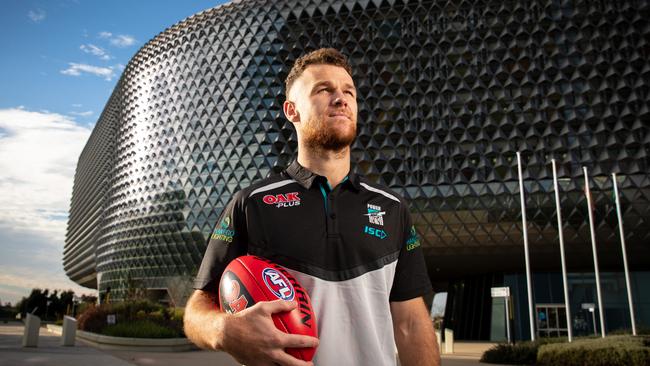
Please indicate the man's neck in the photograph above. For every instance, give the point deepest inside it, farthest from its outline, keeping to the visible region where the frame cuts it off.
(334, 165)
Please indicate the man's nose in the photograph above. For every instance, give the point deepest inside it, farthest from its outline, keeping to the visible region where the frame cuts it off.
(339, 99)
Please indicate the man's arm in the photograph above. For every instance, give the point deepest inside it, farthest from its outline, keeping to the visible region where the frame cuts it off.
(414, 334)
(249, 336)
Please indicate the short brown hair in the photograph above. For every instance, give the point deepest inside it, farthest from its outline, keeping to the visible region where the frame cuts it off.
(322, 56)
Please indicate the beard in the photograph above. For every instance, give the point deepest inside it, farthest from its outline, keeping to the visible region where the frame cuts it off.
(321, 135)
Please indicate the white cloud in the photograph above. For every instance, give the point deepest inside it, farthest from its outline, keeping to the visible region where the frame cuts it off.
(38, 157)
(82, 114)
(77, 105)
(96, 51)
(118, 40)
(76, 69)
(36, 15)
(123, 40)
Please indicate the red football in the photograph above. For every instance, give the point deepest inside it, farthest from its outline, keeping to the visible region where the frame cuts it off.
(249, 279)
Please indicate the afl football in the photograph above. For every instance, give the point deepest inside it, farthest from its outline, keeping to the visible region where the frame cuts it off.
(250, 279)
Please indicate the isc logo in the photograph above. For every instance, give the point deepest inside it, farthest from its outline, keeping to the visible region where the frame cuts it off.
(278, 284)
(381, 234)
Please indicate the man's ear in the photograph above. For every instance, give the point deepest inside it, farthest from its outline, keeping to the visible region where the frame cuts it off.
(290, 111)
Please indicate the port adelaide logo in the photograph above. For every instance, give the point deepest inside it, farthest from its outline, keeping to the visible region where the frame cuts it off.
(278, 284)
(282, 200)
(375, 215)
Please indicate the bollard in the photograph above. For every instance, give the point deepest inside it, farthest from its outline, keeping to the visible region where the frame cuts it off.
(449, 341)
(32, 327)
(439, 340)
(69, 331)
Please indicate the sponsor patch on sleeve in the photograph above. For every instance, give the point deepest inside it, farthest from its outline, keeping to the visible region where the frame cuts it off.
(223, 232)
(413, 241)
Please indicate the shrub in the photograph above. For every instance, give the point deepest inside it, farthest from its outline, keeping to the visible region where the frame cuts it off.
(130, 309)
(140, 329)
(82, 307)
(159, 315)
(134, 314)
(522, 353)
(610, 351)
(93, 319)
(176, 314)
(7, 312)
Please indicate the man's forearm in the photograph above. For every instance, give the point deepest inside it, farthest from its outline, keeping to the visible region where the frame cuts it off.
(202, 322)
(416, 345)
(414, 334)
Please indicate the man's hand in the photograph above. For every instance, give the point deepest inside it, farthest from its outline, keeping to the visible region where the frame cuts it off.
(263, 340)
(250, 336)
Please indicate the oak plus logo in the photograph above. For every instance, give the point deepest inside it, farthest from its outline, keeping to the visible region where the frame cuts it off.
(282, 200)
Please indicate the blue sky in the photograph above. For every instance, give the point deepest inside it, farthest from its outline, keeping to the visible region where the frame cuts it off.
(60, 61)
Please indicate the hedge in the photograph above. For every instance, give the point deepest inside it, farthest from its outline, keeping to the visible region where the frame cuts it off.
(522, 353)
(139, 319)
(140, 329)
(609, 351)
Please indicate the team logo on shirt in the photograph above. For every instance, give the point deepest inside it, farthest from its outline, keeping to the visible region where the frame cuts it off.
(375, 215)
(278, 284)
(282, 200)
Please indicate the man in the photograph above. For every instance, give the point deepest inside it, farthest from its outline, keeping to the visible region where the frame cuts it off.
(349, 242)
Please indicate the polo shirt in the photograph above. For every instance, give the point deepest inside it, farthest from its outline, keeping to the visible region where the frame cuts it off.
(353, 248)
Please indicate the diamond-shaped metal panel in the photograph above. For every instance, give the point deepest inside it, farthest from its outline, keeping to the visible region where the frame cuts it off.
(448, 92)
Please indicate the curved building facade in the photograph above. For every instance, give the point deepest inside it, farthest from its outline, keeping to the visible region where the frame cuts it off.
(449, 91)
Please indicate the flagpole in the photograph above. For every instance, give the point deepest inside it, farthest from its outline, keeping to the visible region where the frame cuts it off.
(627, 273)
(601, 311)
(525, 230)
(560, 232)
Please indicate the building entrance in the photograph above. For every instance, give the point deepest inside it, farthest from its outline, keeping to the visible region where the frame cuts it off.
(551, 320)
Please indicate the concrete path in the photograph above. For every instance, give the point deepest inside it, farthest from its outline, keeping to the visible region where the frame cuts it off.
(50, 353)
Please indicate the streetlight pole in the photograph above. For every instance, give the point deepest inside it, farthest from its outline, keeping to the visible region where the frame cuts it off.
(622, 234)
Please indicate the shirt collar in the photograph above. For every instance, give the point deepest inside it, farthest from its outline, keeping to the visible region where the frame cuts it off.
(306, 177)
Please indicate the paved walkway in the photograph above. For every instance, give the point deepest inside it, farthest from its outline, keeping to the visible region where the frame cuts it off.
(50, 353)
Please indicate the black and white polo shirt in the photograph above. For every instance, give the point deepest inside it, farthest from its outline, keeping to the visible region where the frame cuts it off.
(354, 249)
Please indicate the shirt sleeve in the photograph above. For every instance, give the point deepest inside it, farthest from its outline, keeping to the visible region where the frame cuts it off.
(411, 277)
(227, 241)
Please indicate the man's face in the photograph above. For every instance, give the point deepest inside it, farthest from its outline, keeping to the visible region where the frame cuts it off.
(323, 106)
